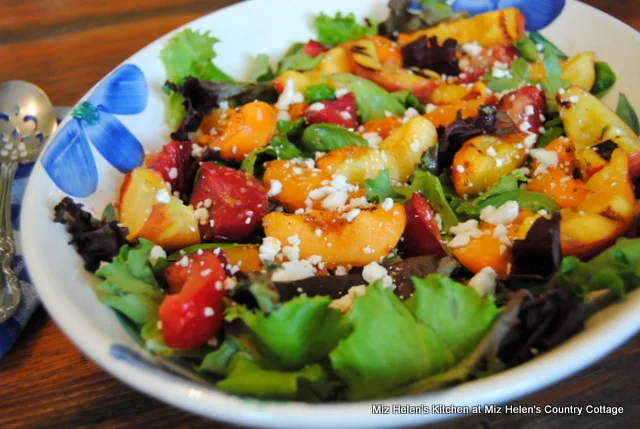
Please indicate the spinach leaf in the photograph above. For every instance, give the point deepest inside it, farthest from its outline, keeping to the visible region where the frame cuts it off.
(373, 101)
(527, 48)
(377, 190)
(538, 38)
(605, 79)
(407, 99)
(519, 72)
(319, 92)
(326, 137)
(627, 113)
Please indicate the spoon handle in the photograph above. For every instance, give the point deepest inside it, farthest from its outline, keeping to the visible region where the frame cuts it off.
(9, 292)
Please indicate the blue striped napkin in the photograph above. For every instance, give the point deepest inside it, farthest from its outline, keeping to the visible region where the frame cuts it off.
(11, 329)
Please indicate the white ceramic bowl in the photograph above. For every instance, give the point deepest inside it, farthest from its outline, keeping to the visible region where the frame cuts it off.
(270, 26)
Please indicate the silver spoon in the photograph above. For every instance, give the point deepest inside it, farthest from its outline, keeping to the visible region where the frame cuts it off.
(27, 119)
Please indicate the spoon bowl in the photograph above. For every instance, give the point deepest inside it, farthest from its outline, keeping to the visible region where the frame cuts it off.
(27, 119)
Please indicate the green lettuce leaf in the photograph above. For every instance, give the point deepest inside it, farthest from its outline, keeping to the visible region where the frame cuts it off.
(538, 38)
(429, 185)
(554, 81)
(218, 361)
(407, 99)
(379, 189)
(429, 333)
(319, 92)
(327, 137)
(297, 59)
(519, 75)
(616, 269)
(280, 147)
(341, 28)
(605, 79)
(384, 353)
(247, 378)
(154, 342)
(627, 113)
(191, 53)
(301, 332)
(130, 285)
(508, 185)
(456, 313)
(261, 69)
(527, 48)
(373, 101)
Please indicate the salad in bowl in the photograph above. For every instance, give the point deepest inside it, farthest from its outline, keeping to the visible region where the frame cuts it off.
(396, 207)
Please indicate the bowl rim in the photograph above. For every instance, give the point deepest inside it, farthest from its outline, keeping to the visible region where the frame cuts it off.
(565, 360)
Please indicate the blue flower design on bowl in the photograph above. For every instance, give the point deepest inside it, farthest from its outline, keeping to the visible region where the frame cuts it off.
(68, 158)
(538, 13)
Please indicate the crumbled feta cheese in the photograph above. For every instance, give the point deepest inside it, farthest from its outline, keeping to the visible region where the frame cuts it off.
(156, 253)
(409, 114)
(484, 282)
(546, 159)
(574, 99)
(351, 214)
(358, 202)
(344, 303)
(290, 95)
(525, 127)
(447, 265)
(506, 213)
(207, 203)
(201, 215)
(184, 262)
(283, 115)
(415, 146)
(387, 204)
(469, 227)
(340, 271)
(500, 230)
(530, 140)
(196, 150)
(294, 270)
(345, 115)
(373, 139)
(472, 49)
(374, 271)
(163, 196)
(317, 107)
(430, 108)
(341, 92)
(529, 110)
(368, 250)
(492, 152)
(318, 232)
(205, 273)
(294, 240)
(269, 248)
(275, 187)
(335, 201)
(173, 173)
(459, 241)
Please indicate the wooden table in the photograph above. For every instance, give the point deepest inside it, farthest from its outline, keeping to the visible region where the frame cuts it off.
(65, 46)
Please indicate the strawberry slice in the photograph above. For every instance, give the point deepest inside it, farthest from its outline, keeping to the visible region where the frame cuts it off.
(313, 48)
(235, 202)
(172, 162)
(340, 112)
(422, 234)
(194, 311)
(524, 105)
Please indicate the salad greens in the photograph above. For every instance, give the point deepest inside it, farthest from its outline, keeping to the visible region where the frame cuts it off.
(605, 79)
(527, 48)
(429, 185)
(261, 69)
(627, 113)
(538, 38)
(373, 101)
(342, 28)
(326, 137)
(297, 59)
(319, 92)
(519, 74)
(129, 284)
(380, 188)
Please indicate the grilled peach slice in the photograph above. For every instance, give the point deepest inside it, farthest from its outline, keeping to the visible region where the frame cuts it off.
(482, 160)
(501, 26)
(342, 242)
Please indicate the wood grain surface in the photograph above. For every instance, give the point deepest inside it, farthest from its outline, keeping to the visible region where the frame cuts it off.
(65, 46)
